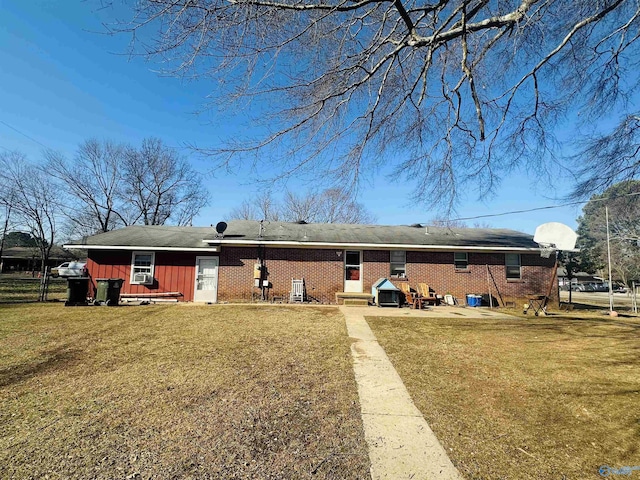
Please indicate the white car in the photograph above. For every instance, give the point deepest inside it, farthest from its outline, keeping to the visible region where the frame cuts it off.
(69, 269)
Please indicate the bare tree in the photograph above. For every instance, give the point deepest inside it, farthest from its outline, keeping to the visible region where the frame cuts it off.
(92, 183)
(328, 206)
(262, 207)
(108, 185)
(440, 221)
(161, 186)
(623, 202)
(452, 93)
(300, 208)
(35, 205)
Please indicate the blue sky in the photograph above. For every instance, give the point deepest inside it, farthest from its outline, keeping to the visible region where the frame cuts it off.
(62, 82)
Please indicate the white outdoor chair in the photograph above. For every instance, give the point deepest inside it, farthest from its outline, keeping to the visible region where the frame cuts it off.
(297, 291)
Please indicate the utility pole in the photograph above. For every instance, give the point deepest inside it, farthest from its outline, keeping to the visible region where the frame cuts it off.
(4, 234)
(606, 213)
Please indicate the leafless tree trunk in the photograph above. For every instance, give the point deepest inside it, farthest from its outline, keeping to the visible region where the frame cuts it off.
(452, 93)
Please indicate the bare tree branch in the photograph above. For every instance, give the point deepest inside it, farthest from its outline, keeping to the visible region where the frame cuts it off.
(448, 92)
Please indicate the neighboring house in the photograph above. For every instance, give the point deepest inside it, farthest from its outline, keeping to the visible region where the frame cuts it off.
(201, 265)
(27, 259)
(578, 277)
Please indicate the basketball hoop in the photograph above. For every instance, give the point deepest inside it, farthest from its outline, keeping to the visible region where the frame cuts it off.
(546, 249)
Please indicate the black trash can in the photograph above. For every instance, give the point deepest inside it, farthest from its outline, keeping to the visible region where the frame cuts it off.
(108, 291)
(77, 290)
(113, 294)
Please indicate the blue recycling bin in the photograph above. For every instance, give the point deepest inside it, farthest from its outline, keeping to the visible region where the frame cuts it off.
(474, 300)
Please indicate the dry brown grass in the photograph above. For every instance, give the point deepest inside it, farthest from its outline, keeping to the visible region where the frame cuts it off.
(16, 288)
(177, 392)
(553, 397)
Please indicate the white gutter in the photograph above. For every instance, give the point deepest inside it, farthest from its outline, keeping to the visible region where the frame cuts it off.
(142, 248)
(368, 246)
(289, 244)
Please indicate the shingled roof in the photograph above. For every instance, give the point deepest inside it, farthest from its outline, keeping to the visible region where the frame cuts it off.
(286, 234)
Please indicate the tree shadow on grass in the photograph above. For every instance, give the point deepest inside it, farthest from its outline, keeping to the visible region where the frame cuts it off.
(46, 362)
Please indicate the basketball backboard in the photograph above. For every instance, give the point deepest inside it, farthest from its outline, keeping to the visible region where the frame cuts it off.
(557, 234)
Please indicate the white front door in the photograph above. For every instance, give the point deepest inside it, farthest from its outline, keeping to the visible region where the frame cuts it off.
(206, 285)
(353, 271)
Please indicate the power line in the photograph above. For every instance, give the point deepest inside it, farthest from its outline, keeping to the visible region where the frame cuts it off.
(513, 212)
(548, 207)
(24, 134)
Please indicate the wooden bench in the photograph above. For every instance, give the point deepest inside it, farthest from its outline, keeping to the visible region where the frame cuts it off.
(151, 297)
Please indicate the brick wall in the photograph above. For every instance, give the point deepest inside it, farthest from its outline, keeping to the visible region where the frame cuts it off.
(438, 271)
(323, 272)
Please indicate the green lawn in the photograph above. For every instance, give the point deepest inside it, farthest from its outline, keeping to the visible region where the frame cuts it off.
(178, 391)
(534, 398)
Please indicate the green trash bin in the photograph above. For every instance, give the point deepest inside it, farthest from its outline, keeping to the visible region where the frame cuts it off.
(102, 290)
(77, 289)
(108, 291)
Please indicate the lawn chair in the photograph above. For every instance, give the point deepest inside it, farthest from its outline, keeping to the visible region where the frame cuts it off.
(298, 294)
(414, 300)
(538, 303)
(425, 293)
(405, 289)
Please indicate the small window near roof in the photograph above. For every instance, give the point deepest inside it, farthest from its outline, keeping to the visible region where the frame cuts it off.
(398, 263)
(512, 264)
(142, 267)
(461, 260)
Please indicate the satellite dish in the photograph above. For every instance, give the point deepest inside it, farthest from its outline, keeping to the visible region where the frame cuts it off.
(556, 234)
(221, 227)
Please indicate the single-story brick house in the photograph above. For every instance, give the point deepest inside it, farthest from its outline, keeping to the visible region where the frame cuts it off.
(252, 259)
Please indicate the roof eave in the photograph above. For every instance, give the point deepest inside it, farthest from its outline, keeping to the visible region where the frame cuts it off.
(143, 247)
(368, 246)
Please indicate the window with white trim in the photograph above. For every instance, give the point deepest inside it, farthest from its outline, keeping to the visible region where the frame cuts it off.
(142, 264)
(398, 263)
(461, 260)
(512, 265)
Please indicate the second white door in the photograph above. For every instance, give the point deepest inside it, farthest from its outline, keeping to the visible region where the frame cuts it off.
(206, 284)
(353, 271)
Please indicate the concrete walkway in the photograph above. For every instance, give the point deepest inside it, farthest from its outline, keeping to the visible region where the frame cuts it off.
(401, 443)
